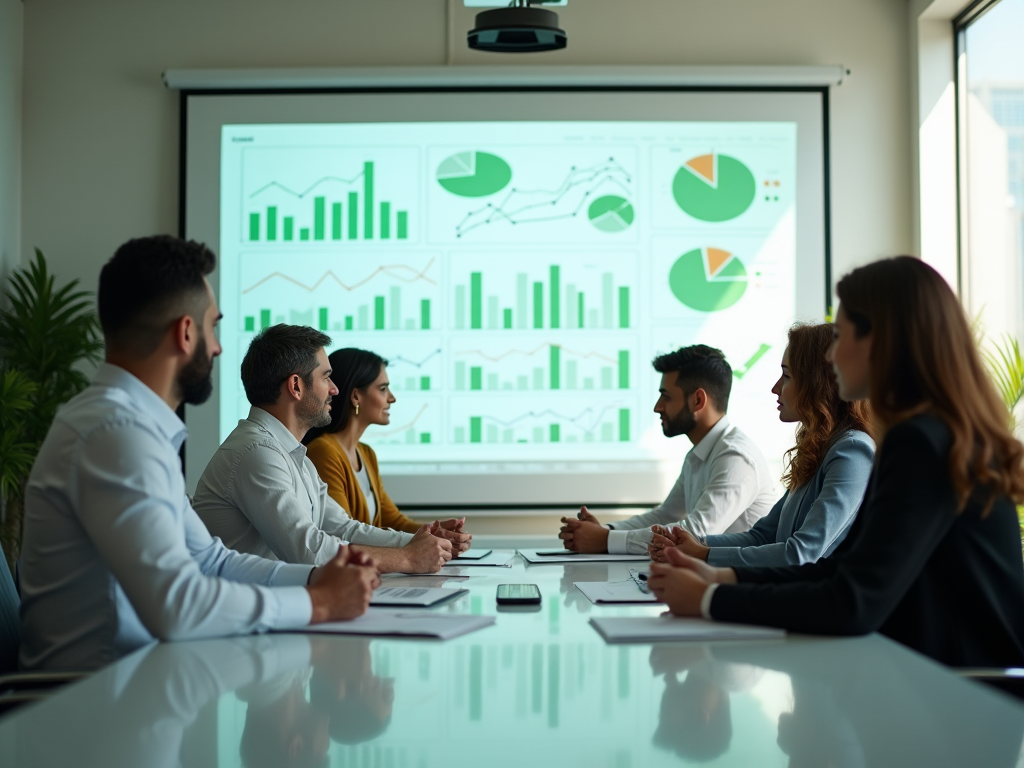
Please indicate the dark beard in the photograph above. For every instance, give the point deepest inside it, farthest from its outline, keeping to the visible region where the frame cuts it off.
(314, 412)
(680, 425)
(195, 380)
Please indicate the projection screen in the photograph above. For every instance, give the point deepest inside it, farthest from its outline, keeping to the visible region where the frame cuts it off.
(519, 256)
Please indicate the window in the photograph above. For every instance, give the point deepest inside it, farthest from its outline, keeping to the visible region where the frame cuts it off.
(990, 105)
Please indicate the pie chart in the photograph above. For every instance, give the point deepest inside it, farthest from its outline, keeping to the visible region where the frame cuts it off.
(611, 213)
(714, 187)
(474, 174)
(708, 279)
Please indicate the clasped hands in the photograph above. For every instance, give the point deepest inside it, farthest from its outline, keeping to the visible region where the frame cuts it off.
(451, 530)
(676, 537)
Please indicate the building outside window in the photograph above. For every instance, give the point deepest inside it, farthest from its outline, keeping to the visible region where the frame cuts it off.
(990, 74)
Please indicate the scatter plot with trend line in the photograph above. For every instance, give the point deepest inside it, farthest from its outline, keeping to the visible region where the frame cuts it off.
(551, 196)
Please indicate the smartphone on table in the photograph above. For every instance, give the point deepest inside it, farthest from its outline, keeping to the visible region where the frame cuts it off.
(518, 594)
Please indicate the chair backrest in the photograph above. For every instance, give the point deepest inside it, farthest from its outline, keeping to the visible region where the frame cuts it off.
(10, 623)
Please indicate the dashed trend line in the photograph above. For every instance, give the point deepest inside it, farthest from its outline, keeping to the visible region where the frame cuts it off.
(389, 269)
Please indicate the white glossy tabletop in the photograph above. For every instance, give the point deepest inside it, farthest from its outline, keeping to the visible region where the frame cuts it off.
(539, 688)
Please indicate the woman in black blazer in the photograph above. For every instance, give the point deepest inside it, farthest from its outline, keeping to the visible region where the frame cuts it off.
(933, 559)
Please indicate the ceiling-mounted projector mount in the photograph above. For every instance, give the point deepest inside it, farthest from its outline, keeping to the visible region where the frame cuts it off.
(520, 28)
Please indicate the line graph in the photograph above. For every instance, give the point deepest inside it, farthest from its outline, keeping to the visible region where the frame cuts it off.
(422, 429)
(403, 272)
(565, 201)
(334, 294)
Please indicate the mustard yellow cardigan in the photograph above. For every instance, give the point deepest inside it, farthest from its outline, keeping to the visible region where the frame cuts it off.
(334, 469)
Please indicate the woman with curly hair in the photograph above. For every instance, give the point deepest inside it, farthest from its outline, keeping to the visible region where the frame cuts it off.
(933, 559)
(826, 476)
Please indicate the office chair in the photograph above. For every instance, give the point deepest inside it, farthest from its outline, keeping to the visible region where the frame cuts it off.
(18, 688)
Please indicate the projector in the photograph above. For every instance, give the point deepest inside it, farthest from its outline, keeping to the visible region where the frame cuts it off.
(519, 28)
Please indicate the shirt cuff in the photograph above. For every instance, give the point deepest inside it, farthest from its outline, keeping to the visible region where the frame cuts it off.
(288, 575)
(705, 602)
(617, 544)
(294, 607)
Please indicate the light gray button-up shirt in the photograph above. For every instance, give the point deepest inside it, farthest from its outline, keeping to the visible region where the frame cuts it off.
(724, 487)
(261, 494)
(114, 555)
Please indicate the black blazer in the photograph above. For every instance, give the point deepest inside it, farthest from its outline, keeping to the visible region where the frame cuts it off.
(948, 585)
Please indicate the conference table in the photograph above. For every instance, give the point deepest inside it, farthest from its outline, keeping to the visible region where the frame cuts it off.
(539, 687)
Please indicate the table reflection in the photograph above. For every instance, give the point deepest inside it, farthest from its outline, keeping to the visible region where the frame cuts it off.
(695, 719)
(877, 704)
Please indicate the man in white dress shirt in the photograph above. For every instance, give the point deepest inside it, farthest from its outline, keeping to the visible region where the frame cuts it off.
(114, 557)
(724, 486)
(261, 494)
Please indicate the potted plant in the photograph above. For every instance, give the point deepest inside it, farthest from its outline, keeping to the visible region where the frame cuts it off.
(46, 334)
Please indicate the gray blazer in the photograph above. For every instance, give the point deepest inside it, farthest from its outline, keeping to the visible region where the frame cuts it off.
(807, 523)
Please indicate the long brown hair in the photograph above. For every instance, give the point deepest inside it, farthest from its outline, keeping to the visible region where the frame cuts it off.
(923, 359)
(824, 416)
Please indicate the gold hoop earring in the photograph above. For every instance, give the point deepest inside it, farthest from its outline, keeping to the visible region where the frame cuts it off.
(357, 409)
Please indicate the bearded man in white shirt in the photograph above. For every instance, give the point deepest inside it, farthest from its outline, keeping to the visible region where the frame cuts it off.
(114, 557)
(725, 485)
(261, 494)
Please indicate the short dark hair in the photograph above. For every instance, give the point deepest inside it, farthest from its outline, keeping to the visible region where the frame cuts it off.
(699, 367)
(149, 283)
(274, 354)
(351, 369)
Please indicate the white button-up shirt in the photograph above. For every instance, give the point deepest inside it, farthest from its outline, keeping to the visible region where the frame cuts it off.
(114, 555)
(724, 487)
(261, 494)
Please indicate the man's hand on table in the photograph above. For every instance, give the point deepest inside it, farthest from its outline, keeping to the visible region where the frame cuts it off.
(451, 530)
(585, 534)
(341, 589)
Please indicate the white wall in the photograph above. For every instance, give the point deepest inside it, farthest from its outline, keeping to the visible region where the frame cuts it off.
(10, 134)
(101, 132)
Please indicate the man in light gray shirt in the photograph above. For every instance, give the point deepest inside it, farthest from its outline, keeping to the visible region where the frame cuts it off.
(725, 485)
(261, 494)
(114, 556)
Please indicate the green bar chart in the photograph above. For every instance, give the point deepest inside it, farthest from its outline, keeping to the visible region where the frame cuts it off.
(489, 422)
(548, 297)
(367, 217)
(389, 297)
(543, 366)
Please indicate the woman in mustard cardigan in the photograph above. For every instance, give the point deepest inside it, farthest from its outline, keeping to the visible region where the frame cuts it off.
(348, 466)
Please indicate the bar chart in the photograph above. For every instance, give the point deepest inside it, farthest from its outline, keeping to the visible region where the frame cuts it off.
(334, 195)
(516, 293)
(415, 363)
(491, 421)
(528, 365)
(336, 294)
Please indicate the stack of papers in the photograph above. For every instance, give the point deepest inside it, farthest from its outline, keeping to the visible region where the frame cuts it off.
(614, 592)
(388, 623)
(558, 556)
(406, 595)
(647, 629)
